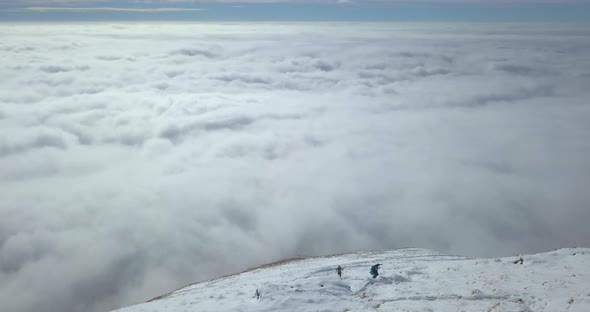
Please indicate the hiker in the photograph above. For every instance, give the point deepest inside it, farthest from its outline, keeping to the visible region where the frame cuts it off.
(257, 294)
(519, 261)
(375, 270)
(339, 271)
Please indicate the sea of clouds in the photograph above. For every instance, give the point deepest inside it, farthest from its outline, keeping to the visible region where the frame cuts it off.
(137, 158)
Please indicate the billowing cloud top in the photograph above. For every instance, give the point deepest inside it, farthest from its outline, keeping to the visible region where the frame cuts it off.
(138, 158)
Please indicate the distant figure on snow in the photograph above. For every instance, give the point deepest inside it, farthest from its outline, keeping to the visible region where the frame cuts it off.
(519, 261)
(375, 270)
(339, 271)
(257, 294)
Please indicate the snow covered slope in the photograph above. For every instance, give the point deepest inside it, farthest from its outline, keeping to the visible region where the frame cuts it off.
(411, 280)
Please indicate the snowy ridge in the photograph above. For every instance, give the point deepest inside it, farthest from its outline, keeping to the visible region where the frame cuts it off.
(411, 280)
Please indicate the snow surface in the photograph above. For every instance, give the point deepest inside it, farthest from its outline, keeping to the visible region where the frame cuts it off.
(411, 280)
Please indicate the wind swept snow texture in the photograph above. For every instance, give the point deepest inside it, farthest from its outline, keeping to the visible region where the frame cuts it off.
(137, 158)
(410, 280)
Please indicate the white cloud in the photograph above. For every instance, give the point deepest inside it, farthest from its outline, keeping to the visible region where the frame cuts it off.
(136, 158)
(110, 9)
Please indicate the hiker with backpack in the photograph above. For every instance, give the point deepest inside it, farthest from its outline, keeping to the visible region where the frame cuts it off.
(375, 270)
(339, 271)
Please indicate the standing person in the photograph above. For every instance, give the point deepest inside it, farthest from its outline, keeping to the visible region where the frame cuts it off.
(375, 270)
(339, 271)
(257, 294)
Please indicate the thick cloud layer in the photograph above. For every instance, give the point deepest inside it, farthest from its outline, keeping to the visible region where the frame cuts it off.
(136, 158)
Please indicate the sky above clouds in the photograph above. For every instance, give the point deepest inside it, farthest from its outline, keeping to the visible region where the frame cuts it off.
(138, 158)
(296, 10)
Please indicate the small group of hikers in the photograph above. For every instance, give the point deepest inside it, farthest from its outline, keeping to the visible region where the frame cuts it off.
(374, 273)
(374, 270)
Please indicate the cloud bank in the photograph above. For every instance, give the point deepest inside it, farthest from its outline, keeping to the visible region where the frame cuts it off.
(137, 158)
